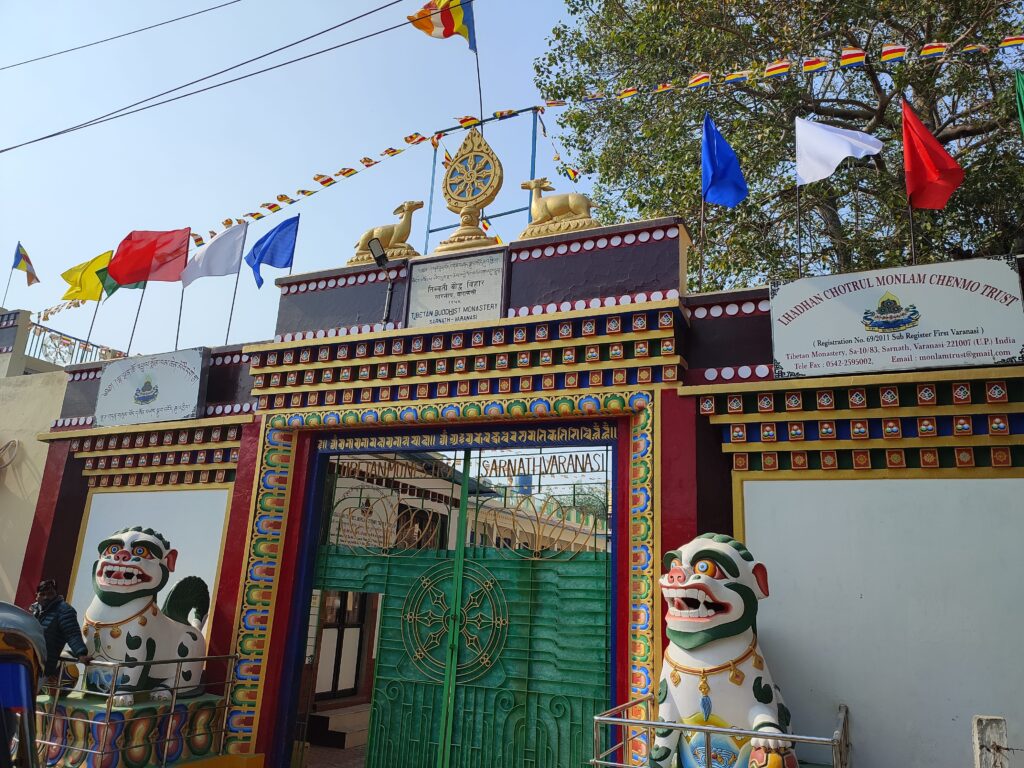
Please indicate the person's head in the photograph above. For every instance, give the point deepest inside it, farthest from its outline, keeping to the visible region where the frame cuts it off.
(47, 590)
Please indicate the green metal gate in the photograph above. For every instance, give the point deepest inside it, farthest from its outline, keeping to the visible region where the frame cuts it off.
(494, 631)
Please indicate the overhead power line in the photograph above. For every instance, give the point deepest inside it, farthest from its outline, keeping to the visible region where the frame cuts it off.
(129, 109)
(126, 111)
(117, 37)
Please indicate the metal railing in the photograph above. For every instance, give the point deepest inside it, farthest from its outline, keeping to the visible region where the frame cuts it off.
(640, 732)
(70, 690)
(61, 349)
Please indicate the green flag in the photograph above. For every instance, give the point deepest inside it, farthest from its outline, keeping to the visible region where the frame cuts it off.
(1019, 78)
(110, 285)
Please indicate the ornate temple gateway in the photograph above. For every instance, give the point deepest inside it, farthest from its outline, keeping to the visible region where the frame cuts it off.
(432, 513)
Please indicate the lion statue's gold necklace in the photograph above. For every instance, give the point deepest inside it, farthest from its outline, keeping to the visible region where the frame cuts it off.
(115, 626)
(735, 674)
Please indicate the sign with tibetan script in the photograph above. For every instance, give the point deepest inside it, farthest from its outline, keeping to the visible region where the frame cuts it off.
(457, 290)
(948, 315)
(138, 390)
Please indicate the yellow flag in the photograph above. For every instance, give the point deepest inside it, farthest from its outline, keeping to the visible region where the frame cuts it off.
(84, 283)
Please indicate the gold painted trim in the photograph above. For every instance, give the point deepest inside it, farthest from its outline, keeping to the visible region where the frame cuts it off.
(467, 326)
(458, 399)
(111, 471)
(155, 426)
(555, 344)
(533, 370)
(178, 487)
(157, 449)
(656, 603)
(923, 376)
(866, 413)
(955, 473)
(947, 441)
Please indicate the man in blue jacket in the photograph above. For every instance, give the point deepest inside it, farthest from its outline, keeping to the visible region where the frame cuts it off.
(60, 626)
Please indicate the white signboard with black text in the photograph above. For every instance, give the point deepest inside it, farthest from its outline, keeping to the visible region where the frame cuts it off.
(137, 390)
(457, 290)
(948, 315)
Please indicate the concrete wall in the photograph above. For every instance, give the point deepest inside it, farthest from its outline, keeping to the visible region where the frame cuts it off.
(899, 598)
(28, 406)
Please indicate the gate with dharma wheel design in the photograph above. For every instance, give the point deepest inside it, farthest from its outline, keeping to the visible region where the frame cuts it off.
(493, 568)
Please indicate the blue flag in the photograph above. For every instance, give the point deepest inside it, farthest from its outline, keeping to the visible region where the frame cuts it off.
(274, 249)
(722, 180)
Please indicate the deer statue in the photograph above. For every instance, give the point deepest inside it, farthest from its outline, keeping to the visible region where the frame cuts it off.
(392, 236)
(556, 213)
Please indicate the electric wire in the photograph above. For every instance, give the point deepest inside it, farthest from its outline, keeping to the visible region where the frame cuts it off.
(117, 37)
(122, 111)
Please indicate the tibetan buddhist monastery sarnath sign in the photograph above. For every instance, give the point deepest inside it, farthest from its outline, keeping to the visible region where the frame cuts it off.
(953, 314)
(456, 290)
(138, 390)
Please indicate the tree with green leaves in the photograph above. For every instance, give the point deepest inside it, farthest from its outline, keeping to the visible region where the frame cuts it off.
(645, 150)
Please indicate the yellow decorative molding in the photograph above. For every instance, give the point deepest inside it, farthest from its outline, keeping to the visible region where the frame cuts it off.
(504, 322)
(130, 451)
(161, 468)
(865, 413)
(491, 373)
(654, 336)
(907, 442)
(225, 486)
(156, 426)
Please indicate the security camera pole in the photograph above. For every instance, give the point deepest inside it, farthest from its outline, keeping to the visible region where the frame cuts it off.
(381, 259)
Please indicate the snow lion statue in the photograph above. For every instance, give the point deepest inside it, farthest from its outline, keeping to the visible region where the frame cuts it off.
(123, 623)
(714, 673)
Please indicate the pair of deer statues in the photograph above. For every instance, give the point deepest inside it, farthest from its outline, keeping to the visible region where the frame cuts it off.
(569, 206)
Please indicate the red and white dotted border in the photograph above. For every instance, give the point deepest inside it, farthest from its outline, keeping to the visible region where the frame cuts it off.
(76, 421)
(590, 243)
(323, 284)
(331, 333)
(85, 375)
(742, 372)
(4, 350)
(595, 303)
(228, 409)
(733, 309)
(236, 359)
(11, 318)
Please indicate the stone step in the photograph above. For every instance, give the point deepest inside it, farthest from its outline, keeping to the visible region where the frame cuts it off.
(356, 738)
(348, 719)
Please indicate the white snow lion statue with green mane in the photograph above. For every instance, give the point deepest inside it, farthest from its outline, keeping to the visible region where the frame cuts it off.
(714, 673)
(123, 623)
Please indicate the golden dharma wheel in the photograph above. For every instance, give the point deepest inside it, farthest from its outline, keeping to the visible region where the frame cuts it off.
(474, 177)
(470, 180)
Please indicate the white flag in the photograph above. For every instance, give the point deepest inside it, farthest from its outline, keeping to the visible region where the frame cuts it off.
(221, 256)
(820, 148)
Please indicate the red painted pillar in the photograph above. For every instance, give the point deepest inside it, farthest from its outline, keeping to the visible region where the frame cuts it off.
(274, 665)
(224, 613)
(677, 452)
(52, 540)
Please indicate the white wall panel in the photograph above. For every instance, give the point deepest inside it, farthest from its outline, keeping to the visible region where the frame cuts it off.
(900, 598)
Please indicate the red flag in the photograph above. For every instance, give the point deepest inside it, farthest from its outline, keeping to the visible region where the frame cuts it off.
(932, 173)
(144, 256)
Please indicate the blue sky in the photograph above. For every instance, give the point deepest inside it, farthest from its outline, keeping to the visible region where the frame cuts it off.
(198, 161)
